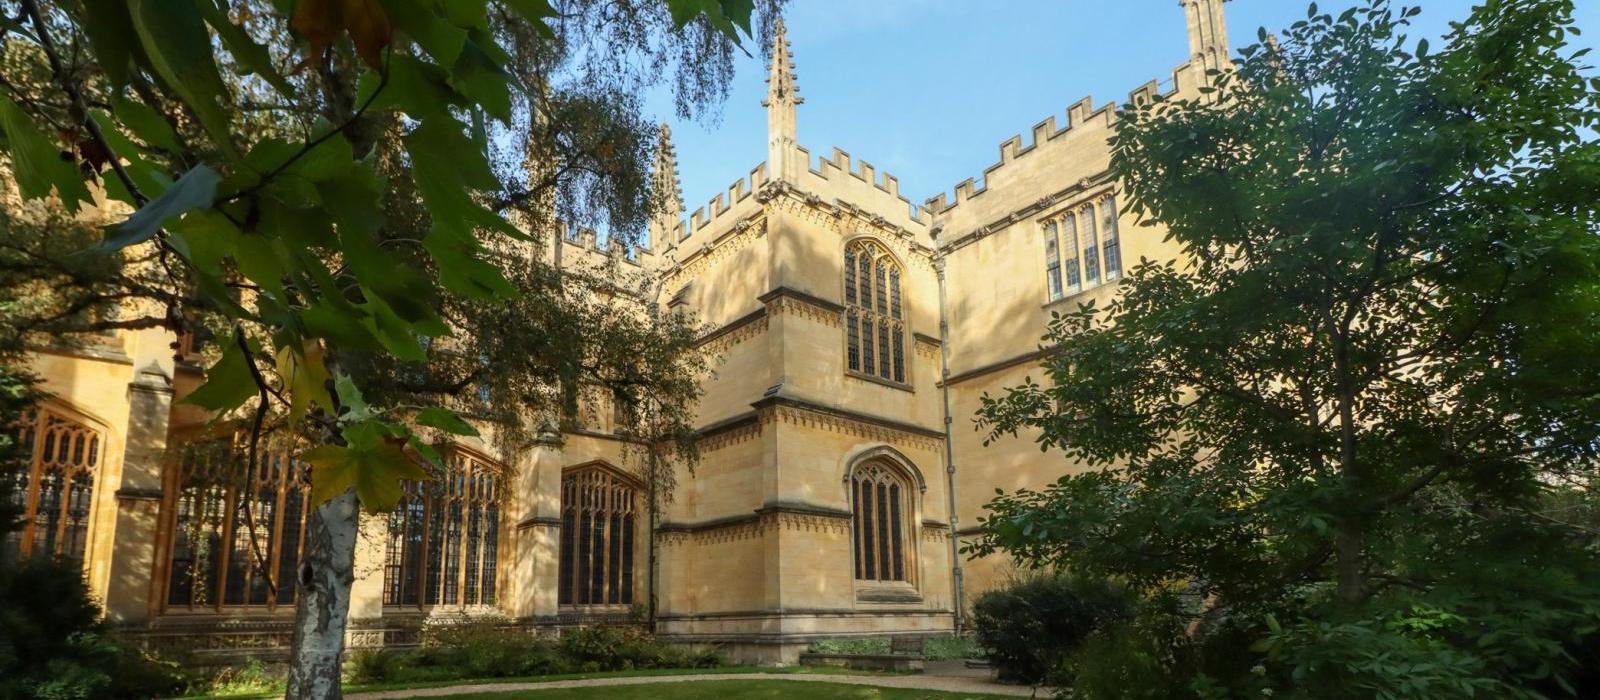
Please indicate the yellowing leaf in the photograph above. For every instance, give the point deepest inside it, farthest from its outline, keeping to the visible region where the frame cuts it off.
(322, 21)
(307, 378)
(375, 473)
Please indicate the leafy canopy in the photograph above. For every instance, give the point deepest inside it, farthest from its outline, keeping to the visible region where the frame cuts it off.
(1373, 359)
(284, 235)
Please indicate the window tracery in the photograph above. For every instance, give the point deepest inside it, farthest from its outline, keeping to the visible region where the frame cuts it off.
(55, 492)
(874, 312)
(236, 539)
(444, 537)
(598, 524)
(880, 501)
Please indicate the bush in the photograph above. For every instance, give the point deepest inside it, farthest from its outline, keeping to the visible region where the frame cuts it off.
(851, 645)
(953, 647)
(372, 666)
(1032, 623)
(54, 647)
(490, 650)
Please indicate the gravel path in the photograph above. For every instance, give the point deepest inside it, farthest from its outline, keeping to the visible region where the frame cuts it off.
(918, 682)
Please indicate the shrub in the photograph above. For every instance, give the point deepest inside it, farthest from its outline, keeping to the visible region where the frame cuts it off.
(1033, 622)
(851, 645)
(372, 666)
(54, 647)
(952, 647)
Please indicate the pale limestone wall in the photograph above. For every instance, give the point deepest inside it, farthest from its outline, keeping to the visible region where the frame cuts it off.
(998, 305)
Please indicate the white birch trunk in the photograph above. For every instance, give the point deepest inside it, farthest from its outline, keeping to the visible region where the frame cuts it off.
(327, 569)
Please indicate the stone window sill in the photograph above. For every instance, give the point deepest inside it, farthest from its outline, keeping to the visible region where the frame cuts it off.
(875, 379)
(886, 592)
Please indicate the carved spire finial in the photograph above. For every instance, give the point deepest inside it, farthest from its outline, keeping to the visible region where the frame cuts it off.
(782, 96)
(781, 86)
(666, 189)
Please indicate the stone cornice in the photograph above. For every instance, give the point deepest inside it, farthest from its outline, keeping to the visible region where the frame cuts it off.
(729, 333)
(1007, 363)
(791, 402)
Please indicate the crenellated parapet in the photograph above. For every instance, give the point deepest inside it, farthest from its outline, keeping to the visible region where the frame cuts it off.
(836, 177)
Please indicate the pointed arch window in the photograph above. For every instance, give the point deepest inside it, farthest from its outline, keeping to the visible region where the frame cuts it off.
(598, 523)
(444, 537)
(56, 490)
(236, 537)
(880, 501)
(874, 312)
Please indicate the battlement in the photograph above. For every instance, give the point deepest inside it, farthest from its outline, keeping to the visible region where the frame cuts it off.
(585, 242)
(1184, 79)
(704, 217)
(839, 169)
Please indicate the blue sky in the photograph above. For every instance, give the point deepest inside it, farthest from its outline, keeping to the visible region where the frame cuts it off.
(927, 89)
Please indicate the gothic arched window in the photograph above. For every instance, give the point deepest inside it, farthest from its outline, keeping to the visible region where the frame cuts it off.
(444, 537)
(880, 501)
(597, 534)
(56, 490)
(231, 529)
(875, 326)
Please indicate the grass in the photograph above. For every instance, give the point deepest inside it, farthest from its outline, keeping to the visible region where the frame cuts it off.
(729, 690)
(275, 688)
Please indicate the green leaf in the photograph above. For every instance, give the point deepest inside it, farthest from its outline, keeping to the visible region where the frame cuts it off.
(179, 47)
(398, 337)
(375, 473)
(535, 11)
(446, 420)
(145, 176)
(350, 398)
(37, 162)
(251, 56)
(195, 190)
(111, 35)
(419, 20)
(1422, 48)
(204, 238)
(228, 384)
(145, 123)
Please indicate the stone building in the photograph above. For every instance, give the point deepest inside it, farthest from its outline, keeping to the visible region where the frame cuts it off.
(854, 334)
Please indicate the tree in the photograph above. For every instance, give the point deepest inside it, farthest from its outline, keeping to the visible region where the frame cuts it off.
(1372, 363)
(325, 187)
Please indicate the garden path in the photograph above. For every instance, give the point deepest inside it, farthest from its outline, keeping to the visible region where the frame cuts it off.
(955, 683)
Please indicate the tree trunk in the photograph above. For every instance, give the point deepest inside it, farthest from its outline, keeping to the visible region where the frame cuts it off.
(327, 569)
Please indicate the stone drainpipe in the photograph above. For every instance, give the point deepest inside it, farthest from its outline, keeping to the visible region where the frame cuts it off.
(956, 582)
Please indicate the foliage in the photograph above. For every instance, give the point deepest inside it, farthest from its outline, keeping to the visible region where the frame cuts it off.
(53, 645)
(851, 645)
(327, 205)
(1343, 413)
(951, 646)
(1030, 623)
(488, 650)
(938, 647)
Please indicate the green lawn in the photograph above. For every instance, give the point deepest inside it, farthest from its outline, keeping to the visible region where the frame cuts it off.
(274, 689)
(728, 690)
